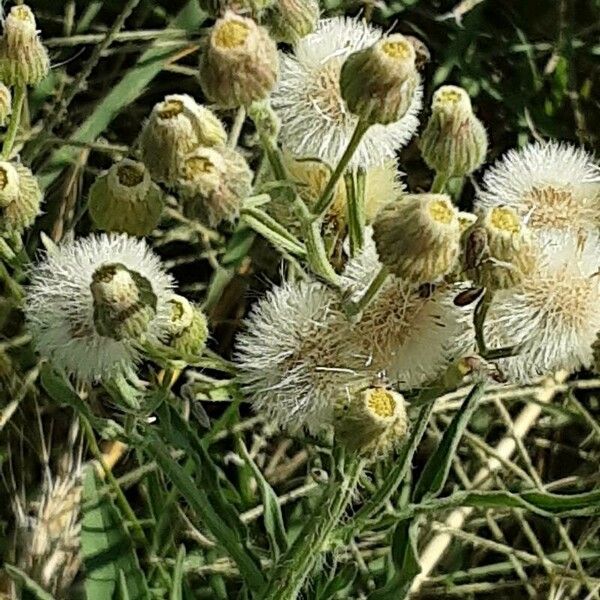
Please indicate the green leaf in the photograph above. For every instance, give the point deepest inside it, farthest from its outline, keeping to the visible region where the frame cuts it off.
(406, 562)
(21, 578)
(106, 548)
(340, 584)
(197, 498)
(178, 432)
(124, 93)
(272, 516)
(436, 469)
(176, 590)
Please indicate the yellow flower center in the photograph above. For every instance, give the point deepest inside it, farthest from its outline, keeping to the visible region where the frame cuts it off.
(441, 211)
(449, 97)
(170, 109)
(198, 165)
(505, 219)
(3, 178)
(23, 13)
(381, 402)
(130, 175)
(231, 34)
(397, 49)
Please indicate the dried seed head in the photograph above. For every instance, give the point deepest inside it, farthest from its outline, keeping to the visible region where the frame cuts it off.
(417, 237)
(124, 303)
(23, 57)
(240, 64)
(555, 187)
(5, 104)
(176, 126)
(372, 422)
(291, 20)
(214, 183)
(378, 84)
(20, 197)
(124, 199)
(188, 327)
(454, 141)
(48, 534)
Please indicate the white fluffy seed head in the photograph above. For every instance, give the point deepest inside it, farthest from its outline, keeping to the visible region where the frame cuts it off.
(291, 361)
(554, 186)
(60, 305)
(315, 121)
(554, 313)
(408, 333)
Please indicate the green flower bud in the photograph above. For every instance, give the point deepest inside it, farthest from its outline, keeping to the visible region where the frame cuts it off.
(125, 199)
(176, 126)
(240, 64)
(418, 237)
(454, 141)
(372, 422)
(378, 83)
(124, 303)
(20, 198)
(23, 58)
(214, 183)
(499, 252)
(290, 20)
(216, 8)
(5, 104)
(188, 327)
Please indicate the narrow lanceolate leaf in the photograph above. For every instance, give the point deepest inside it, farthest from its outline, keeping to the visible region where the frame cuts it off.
(436, 469)
(208, 516)
(124, 93)
(177, 589)
(23, 580)
(405, 559)
(106, 548)
(272, 516)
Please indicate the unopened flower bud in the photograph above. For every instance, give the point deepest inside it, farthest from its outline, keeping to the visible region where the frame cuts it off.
(125, 199)
(506, 254)
(20, 197)
(214, 183)
(454, 142)
(187, 326)
(291, 20)
(124, 303)
(216, 8)
(378, 83)
(372, 422)
(5, 104)
(176, 126)
(23, 57)
(418, 237)
(240, 64)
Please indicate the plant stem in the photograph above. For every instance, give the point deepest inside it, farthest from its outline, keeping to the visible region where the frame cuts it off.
(113, 483)
(326, 198)
(315, 247)
(295, 565)
(355, 204)
(439, 183)
(356, 307)
(479, 321)
(15, 120)
(236, 128)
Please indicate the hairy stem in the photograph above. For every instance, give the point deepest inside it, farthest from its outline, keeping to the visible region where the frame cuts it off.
(357, 307)
(355, 205)
(326, 198)
(439, 183)
(292, 569)
(15, 120)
